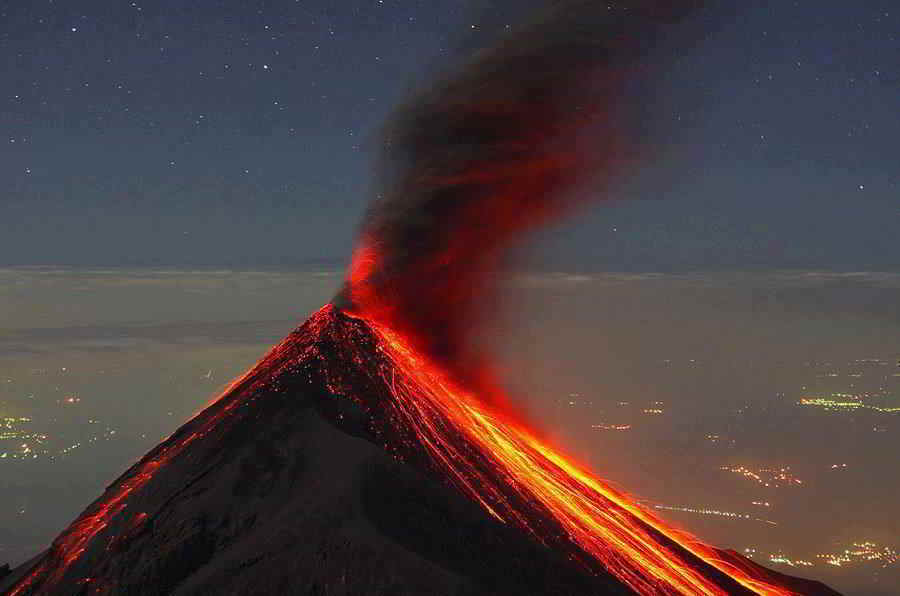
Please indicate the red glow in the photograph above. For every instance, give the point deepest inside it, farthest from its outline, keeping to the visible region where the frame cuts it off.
(605, 523)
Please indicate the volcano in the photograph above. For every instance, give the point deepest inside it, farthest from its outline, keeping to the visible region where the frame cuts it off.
(372, 451)
(323, 471)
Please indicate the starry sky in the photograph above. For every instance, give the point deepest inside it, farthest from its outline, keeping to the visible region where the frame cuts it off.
(241, 134)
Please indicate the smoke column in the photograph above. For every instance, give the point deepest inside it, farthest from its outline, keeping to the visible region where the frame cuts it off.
(490, 152)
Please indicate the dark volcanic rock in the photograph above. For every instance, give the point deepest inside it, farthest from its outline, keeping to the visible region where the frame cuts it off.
(283, 502)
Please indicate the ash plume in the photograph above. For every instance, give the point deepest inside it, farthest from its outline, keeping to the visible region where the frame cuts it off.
(490, 151)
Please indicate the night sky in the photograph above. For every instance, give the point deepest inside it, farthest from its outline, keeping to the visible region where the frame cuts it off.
(241, 134)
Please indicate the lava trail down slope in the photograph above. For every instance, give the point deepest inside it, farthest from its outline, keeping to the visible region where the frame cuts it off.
(230, 504)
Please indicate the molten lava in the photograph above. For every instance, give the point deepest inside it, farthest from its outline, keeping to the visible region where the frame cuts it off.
(501, 464)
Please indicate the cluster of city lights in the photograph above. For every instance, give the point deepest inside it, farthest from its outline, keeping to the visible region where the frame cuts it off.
(18, 443)
(603, 426)
(8, 426)
(27, 444)
(858, 552)
(862, 552)
(766, 476)
(844, 405)
(655, 409)
(782, 559)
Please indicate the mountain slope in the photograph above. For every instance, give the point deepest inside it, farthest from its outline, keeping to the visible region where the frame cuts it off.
(282, 486)
(275, 498)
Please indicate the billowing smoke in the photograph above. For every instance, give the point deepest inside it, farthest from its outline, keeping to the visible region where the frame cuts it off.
(490, 151)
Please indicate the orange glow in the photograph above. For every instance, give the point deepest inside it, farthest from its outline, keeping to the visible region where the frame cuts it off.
(605, 523)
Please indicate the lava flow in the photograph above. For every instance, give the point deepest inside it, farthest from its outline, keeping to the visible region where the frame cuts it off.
(522, 480)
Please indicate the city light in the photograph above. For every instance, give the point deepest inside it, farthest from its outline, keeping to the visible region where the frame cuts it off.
(766, 476)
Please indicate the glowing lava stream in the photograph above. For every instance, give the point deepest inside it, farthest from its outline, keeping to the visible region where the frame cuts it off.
(595, 516)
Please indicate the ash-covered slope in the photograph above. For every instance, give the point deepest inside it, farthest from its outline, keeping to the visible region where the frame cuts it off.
(282, 491)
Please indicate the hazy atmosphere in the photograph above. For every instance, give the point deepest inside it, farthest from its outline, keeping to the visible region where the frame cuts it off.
(694, 392)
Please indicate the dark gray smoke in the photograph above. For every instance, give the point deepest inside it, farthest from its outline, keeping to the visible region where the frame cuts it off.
(491, 150)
